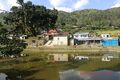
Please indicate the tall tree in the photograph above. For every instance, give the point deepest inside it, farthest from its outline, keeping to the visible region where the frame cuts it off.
(31, 19)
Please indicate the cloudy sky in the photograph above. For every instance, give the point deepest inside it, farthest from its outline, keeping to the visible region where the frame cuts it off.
(66, 5)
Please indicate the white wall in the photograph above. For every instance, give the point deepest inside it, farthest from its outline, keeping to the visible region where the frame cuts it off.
(60, 40)
(105, 35)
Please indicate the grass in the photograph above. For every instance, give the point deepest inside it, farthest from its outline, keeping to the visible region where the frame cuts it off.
(70, 50)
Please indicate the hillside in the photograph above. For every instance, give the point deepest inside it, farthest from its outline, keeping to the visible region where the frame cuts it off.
(89, 19)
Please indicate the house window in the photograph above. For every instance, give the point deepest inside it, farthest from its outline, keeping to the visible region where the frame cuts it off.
(83, 35)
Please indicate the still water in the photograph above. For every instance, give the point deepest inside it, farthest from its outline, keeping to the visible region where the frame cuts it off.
(97, 75)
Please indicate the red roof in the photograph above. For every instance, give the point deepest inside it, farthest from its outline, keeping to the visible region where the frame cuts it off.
(52, 31)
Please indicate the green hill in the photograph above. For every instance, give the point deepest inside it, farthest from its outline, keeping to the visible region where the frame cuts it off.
(89, 19)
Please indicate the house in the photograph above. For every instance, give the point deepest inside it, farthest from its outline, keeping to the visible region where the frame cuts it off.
(85, 38)
(81, 36)
(57, 38)
(88, 39)
(60, 40)
(58, 57)
(10, 36)
(107, 40)
(105, 35)
(50, 33)
(23, 37)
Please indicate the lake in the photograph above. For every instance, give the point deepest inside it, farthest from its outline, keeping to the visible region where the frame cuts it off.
(96, 75)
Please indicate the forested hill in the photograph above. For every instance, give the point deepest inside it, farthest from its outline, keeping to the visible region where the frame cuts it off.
(89, 19)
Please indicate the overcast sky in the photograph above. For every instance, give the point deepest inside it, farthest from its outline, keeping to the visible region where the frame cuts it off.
(66, 5)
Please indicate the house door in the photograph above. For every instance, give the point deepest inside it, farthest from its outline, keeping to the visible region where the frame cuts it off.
(50, 37)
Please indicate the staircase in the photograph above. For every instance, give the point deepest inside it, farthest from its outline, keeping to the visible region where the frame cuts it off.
(49, 43)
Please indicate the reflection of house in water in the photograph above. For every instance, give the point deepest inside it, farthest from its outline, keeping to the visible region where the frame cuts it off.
(87, 38)
(110, 56)
(58, 57)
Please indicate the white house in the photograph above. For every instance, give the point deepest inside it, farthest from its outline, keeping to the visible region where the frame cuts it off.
(10, 36)
(58, 57)
(22, 37)
(60, 40)
(105, 35)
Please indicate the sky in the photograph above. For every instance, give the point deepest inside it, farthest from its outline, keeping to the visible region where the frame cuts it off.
(66, 5)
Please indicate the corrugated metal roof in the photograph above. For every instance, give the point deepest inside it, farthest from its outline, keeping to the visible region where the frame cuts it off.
(81, 33)
(90, 38)
(97, 38)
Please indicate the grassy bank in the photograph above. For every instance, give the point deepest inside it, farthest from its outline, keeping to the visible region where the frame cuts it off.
(71, 50)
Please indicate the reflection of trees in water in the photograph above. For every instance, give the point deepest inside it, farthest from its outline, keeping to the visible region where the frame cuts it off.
(14, 74)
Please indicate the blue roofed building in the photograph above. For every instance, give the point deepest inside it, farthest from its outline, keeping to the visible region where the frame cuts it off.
(107, 40)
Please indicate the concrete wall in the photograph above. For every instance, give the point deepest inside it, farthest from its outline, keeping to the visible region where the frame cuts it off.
(60, 40)
(105, 35)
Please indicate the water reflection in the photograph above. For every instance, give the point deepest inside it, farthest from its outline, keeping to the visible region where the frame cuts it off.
(98, 75)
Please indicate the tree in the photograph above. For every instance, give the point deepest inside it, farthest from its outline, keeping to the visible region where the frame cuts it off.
(10, 46)
(30, 18)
